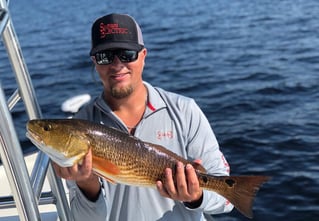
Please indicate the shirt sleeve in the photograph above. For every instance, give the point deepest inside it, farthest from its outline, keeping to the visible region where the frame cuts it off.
(84, 209)
(202, 144)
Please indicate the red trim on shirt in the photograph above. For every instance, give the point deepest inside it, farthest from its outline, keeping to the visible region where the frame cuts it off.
(150, 106)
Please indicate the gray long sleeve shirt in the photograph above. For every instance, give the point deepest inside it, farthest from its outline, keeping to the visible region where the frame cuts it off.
(170, 120)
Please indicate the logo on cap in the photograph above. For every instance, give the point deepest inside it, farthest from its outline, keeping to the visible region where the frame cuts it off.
(108, 29)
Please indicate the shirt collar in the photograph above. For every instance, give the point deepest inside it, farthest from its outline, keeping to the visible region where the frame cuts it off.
(155, 101)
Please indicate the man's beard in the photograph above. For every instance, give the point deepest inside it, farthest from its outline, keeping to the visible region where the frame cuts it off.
(121, 92)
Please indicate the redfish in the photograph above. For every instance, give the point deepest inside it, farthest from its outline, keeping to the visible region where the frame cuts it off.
(121, 158)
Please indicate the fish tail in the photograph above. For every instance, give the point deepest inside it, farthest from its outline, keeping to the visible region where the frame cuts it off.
(239, 190)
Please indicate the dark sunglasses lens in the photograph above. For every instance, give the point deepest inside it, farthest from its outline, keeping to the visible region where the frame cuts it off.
(127, 55)
(104, 57)
(107, 57)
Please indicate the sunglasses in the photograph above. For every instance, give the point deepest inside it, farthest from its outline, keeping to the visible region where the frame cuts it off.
(107, 56)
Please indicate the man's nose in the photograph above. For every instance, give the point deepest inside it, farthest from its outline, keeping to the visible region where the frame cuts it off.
(117, 64)
(116, 60)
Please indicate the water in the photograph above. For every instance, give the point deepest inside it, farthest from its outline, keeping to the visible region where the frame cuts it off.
(252, 66)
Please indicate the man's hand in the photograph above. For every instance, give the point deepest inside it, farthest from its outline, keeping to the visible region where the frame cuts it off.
(83, 175)
(187, 185)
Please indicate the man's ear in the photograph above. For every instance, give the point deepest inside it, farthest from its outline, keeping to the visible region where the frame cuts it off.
(93, 59)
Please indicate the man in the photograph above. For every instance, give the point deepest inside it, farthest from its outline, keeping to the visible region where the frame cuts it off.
(153, 115)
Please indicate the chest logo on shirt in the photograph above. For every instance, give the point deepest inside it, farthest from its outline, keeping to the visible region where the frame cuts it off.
(164, 135)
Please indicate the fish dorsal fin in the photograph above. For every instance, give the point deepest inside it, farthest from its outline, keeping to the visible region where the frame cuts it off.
(198, 167)
(164, 150)
(105, 168)
(122, 132)
(115, 129)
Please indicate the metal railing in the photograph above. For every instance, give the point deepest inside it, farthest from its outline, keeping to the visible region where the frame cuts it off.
(26, 191)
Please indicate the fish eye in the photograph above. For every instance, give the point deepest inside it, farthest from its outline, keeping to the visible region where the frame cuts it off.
(47, 127)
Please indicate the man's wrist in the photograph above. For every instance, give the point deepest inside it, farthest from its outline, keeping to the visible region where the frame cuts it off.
(194, 204)
(91, 188)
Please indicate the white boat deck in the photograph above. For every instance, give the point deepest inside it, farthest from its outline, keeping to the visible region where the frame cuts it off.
(48, 212)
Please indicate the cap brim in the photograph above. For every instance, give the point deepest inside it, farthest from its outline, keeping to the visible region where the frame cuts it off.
(114, 45)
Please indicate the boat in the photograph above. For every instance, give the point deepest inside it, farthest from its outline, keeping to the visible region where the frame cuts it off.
(30, 189)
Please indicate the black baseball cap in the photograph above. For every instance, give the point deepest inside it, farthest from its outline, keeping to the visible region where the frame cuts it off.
(116, 31)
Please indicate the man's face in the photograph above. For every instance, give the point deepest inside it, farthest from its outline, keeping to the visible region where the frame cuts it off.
(121, 78)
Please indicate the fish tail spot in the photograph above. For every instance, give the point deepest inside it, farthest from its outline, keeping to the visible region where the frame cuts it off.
(205, 179)
(230, 182)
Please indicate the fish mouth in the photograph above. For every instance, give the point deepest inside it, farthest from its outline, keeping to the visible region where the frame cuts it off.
(34, 139)
(55, 155)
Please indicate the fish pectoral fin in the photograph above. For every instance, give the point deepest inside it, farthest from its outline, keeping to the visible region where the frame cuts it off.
(102, 175)
(105, 168)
